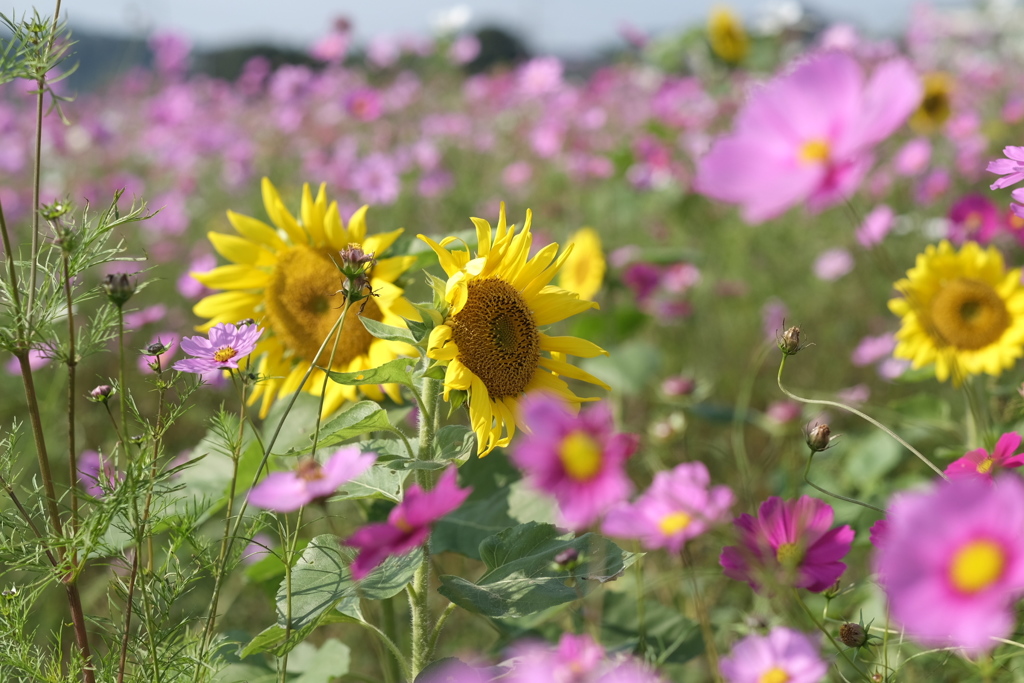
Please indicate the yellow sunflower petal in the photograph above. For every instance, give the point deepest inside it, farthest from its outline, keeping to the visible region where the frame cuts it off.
(240, 250)
(573, 346)
(552, 305)
(230, 305)
(334, 229)
(380, 243)
(280, 215)
(571, 371)
(257, 231)
(357, 225)
(233, 277)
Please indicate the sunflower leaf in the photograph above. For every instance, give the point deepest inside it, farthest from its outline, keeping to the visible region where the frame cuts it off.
(362, 418)
(398, 371)
(522, 577)
(387, 332)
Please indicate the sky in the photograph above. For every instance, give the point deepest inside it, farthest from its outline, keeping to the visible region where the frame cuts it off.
(561, 26)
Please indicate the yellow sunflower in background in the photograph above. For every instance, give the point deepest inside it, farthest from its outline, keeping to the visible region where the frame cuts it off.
(961, 310)
(491, 339)
(286, 277)
(936, 105)
(726, 35)
(583, 270)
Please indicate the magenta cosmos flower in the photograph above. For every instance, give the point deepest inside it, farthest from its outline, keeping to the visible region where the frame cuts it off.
(951, 561)
(577, 459)
(807, 135)
(287, 491)
(978, 464)
(678, 506)
(792, 540)
(973, 218)
(408, 523)
(226, 345)
(782, 655)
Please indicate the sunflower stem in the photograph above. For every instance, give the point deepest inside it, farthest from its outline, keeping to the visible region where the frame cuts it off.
(863, 416)
(419, 603)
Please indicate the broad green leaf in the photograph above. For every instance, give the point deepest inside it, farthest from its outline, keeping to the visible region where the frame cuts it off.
(453, 442)
(319, 665)
(362, 418)
(522, 578)
(631, 368)
(272, 639)
(387, 332)
(379, 481)
(245, 673)
(398, 371)
(668, 635)
(322, 589)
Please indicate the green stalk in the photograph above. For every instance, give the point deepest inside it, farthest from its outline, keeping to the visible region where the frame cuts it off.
(863, 416)
(810, 483)
(821, 627)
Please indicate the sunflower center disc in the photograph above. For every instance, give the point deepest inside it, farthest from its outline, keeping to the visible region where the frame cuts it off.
(497, 338)
(304, 301)
(968, 314)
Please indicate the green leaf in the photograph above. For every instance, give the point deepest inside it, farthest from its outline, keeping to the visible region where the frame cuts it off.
(319, 665)
(521, 576)
(453, 442)
(362, 418)
(322, 589)
(668, 635)
(398, 371)
(379, 481)
(388, 332)
(463, 530)
(630, 369)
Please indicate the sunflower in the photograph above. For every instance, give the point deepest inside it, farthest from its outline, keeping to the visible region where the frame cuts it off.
(584, 268)
(491, 339)
(936, 105)
(286, 277)
(726, 35)
(962, 311)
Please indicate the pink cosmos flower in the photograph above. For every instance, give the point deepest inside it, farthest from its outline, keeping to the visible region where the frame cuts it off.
(678, 506)
(833, 264)
(807, 135)
(94, 468)
(1011, 168)
(973, 218)
(791, 539)
(978, 464)
(951, 561)
(408, 523)
(36, 360)
(288, 491)
(913, 157)
(782, 655)
(873, 349)
(226, 345)
(577, 459)
(875, 227)
(576, 659)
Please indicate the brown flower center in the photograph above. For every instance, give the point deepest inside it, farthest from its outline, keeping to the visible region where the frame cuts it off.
(497, 338)
(303, 302)
(968, 314)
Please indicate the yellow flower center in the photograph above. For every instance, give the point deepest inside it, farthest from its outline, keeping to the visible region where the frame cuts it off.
(581, 456)
(972, 222)
(985, 466)
(402, 524)
(968, 314)
(814, 151)
(303, 302)
(225, 354)
(789, 555)
(977, 565)
(674, 522)
(727, 36)
(774, 675)
(935, 106)
(497, 338)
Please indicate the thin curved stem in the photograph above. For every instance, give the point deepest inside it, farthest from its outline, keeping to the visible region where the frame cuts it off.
(810, 483)
(821, 627)
(863, 416)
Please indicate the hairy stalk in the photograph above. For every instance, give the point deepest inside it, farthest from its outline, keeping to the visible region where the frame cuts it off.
(327, 378)
(419, 592)
(392, 647)
(707, 632)
(123, 398)
(863, 416)
(123, 656)
(227, 538)
(438, 627)
(807, 471)
(72, 396)
(12, 272)
(393, 663)
(821, 627)
(157, 446)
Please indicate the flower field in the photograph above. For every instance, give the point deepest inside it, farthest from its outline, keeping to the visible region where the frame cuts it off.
(698, 363)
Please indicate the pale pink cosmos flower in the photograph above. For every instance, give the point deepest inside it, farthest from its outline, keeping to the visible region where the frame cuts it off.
(94, 468)
(782, 655)
(576, 659)
(873, 349)
(807, 135)
(913, 157)
(979, 464)
(1011, 168)
(833, 264)
(792, 540)
(679, 505)
(227, 344)
(288, 491)
(951, 562)
(408, 523)
(578, 459)
(36, 360)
